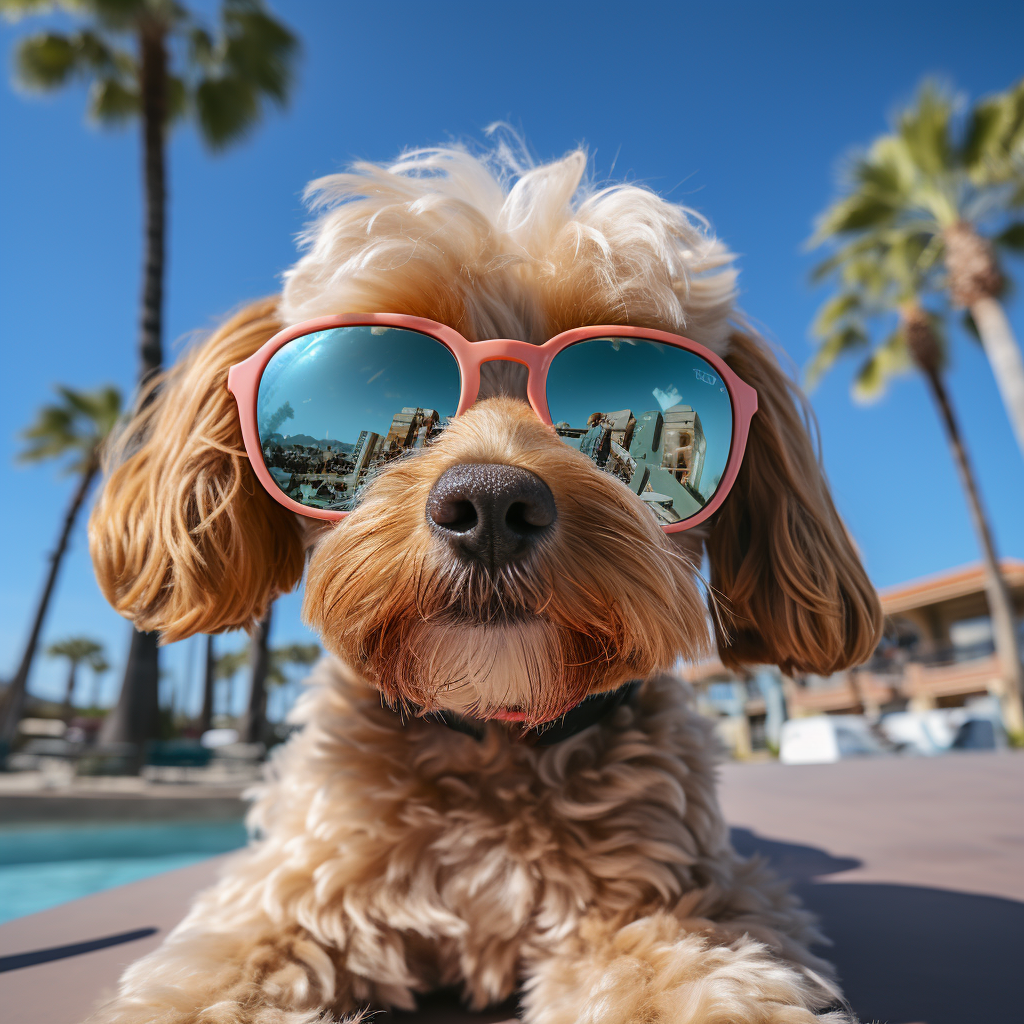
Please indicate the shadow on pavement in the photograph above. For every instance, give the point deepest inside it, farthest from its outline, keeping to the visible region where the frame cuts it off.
(44, 956)
(791, 860)
(907, 953)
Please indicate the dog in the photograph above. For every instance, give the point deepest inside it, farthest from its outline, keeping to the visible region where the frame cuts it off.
(425, 828)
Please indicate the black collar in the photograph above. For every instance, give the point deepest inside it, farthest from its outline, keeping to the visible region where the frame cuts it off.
(589, 711)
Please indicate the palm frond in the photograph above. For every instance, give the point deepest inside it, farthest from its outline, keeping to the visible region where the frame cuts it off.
(75, 648)
(98, 663)
(846, 339)
(834, 311)
(993, 145)
(46, 61)
(226, 109)
(228, 663)
(855, 212)
(251, 59)
(888, 360)
(844, 254)
(984, 133)
(111, 102)
(260, 49)
(1011, 238)
(15, 10)
(76, 427)
(925, 129)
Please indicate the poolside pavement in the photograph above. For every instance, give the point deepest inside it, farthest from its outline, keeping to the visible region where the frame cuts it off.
(916, 867)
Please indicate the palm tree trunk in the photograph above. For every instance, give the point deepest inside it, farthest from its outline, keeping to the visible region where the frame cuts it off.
(1004, 356)
(135, 719)
(153, 85)
(999, 604)
(136, 716)
(69, 690)
(209, 682)
(253, 725)
(13, 701)
(97, 679)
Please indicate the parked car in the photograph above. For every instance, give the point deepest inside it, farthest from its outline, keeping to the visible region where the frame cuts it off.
(919, 732)
(823, 739)
(976, 726)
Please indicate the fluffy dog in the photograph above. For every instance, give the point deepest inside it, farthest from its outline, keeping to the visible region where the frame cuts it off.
(594, 876)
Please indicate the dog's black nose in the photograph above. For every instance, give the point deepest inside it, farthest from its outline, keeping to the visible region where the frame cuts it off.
(490, 513)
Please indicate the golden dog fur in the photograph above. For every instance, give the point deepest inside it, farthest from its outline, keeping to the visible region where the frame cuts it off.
(393, 855)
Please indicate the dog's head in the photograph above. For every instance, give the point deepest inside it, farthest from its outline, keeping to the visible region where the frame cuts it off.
(562, 583)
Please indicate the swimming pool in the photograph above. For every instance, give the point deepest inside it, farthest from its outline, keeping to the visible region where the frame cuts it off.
(42, 866)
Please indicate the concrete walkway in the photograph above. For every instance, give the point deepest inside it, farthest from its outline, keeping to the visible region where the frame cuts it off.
(915, 866)
(916, 869)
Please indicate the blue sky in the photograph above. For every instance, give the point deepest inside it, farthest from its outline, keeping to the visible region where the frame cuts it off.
(740, 110)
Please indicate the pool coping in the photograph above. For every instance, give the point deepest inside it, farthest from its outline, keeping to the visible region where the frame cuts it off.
(155, 803)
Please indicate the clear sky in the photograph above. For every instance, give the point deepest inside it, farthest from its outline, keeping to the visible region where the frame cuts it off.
(740, 110)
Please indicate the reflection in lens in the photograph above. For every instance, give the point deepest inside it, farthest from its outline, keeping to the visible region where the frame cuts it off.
(335, 407)
(657, 417)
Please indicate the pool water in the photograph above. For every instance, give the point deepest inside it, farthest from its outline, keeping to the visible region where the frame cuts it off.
(42, 866)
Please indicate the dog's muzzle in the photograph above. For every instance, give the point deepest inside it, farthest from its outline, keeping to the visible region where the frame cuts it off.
(490, 514)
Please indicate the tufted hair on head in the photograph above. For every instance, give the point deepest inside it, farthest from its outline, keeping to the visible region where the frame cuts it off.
(495, 249)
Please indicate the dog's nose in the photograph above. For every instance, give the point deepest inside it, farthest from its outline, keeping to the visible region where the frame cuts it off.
(490, 513)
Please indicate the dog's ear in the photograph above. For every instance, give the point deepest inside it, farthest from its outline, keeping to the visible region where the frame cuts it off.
(794, 591)
(183, 538)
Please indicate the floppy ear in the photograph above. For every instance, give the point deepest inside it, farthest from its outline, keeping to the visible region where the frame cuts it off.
(795, 593)
(183, 538)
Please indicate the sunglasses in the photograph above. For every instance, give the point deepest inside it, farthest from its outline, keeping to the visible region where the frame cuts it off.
(327, 404)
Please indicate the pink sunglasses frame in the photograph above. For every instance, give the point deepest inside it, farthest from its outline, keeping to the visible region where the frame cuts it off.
(244, 381)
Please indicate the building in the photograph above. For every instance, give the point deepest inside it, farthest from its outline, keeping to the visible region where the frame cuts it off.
(659, 456)
(362, 455)
(620, 423)
(939, 643)
(408, 427)
(937, 652)
(748, 708)
(683, 446)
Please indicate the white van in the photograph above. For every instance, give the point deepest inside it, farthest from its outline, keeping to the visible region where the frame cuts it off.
(823, 739)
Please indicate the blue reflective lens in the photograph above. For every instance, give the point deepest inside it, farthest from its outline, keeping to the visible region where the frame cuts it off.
(336, 406)
(657, 417)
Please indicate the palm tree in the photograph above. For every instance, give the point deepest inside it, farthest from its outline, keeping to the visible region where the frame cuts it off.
(952, 183)
(268, 668)
(74, 429)
(100, 666)
(881, 287)
(76, 649)
(282, 658)
(209, 681)
(253, 725)
(155, 62)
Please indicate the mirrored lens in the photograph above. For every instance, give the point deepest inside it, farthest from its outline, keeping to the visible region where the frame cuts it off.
(657, 417)
(337, 406)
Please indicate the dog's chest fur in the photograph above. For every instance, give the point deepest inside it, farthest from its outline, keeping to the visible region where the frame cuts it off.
(455, 860)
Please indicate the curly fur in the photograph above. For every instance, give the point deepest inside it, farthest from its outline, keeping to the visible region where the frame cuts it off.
(397, 858)
(394, 855)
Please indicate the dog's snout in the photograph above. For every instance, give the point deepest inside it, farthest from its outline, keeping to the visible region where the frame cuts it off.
(490, 513)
